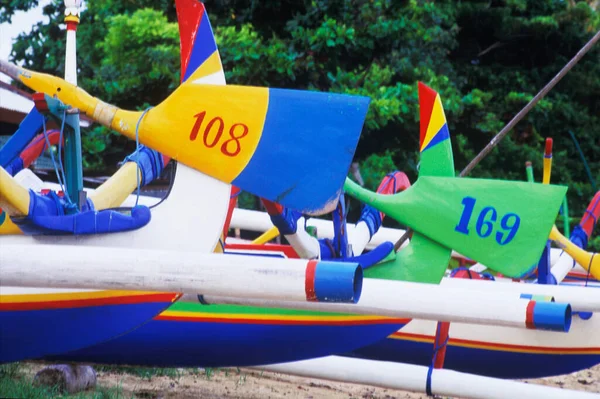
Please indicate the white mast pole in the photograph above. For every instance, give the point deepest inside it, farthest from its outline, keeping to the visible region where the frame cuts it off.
(72, 12)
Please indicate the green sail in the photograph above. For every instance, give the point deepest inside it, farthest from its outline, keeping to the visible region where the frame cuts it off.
(424, 260)
(502, 224)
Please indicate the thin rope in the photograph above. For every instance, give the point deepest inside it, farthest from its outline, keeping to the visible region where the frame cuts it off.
(392, 175)
(585, 164)
(431, 366)
(60, 161)
(137, 148)
(590, 214)
(587, 277)
(171, 183)
(54, 163)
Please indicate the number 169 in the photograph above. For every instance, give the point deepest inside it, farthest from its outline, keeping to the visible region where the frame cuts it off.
(486, 221)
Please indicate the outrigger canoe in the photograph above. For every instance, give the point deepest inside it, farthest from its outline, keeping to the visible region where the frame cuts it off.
(80, 318)
(343, 337)
(191, 217)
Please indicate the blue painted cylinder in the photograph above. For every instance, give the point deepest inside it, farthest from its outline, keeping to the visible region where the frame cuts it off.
(338, 282)
(551, 316)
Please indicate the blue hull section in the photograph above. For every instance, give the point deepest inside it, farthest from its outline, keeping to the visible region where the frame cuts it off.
(162, 343)
(31, 334)
(492, 363)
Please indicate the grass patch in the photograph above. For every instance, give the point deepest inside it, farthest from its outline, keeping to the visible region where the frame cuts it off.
(146, 373)
(19, 386)
(15, 382)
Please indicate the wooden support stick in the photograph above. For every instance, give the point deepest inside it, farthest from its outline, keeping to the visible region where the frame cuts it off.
(496, 140)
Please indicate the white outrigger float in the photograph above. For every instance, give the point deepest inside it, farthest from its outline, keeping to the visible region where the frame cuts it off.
(179, 328)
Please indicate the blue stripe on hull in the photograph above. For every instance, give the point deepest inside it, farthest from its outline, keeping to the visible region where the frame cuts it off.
(500, 364)
(163, 343)
(32, 334)
(293, 119)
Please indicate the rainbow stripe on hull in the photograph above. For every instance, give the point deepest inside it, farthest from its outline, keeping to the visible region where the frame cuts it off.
(196, 335)
(42, 324)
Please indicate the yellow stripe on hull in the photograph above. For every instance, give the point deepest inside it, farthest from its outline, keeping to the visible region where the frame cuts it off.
(258, 316)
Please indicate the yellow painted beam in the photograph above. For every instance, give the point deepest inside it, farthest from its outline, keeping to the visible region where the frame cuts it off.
(266, 236)
(117, 188)
(14, 198)
(8, 227)
(588, 260)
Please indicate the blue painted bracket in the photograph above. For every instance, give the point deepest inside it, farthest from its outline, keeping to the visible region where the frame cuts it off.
(544, 275)
(47, 217)
(28, 129)
(31, 126)
(340, 232)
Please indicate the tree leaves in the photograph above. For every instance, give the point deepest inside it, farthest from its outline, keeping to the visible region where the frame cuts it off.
(9, 7)
(486, 59)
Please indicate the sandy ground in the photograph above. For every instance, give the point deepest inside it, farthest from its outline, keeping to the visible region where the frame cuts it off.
(247, 384)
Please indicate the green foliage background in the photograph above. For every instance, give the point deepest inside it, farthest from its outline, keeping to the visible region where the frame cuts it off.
(487, 59)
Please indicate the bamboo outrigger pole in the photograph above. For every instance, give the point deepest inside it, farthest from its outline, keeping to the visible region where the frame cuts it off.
(494, 142)
(517, 118)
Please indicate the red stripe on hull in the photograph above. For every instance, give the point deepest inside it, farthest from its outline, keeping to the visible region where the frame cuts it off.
(81, 303)
(489, 345)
